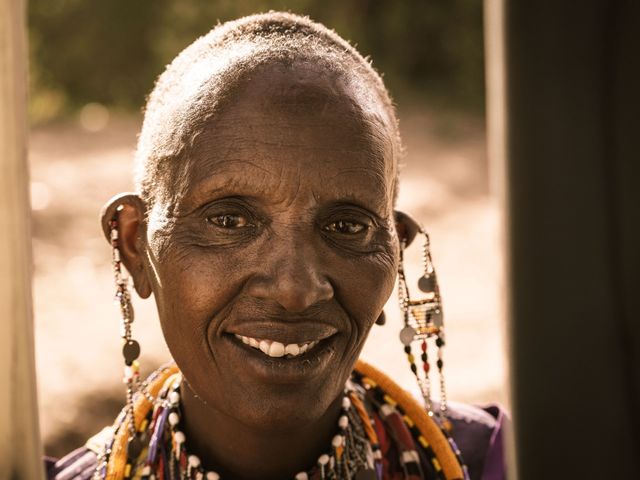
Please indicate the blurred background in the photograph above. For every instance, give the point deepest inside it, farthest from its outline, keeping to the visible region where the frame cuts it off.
(93, 63)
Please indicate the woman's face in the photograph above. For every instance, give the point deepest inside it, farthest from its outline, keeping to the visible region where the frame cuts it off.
(275, 259)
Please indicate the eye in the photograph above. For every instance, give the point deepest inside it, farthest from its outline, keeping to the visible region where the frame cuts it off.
(229, 221)
(346, 227)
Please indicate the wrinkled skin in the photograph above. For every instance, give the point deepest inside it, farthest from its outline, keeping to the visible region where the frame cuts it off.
(282, 228)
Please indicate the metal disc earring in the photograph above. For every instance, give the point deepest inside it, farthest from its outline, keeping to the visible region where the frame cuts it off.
(130, 347)
(424, 329)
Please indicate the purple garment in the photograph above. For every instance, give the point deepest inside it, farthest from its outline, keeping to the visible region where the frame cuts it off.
(77, 465)
(478, 433)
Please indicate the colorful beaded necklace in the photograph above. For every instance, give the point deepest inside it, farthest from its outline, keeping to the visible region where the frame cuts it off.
(158, 448)
(350, 450)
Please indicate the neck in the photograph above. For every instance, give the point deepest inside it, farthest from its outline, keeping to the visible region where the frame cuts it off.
(238, 451)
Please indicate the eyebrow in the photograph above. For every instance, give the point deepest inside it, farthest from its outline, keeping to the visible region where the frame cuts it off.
(214, 187)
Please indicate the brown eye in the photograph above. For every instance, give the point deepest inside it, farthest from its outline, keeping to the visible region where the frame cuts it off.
(229, 221)
(346, 227)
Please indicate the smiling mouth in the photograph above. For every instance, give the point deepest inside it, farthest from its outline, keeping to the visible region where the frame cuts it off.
(276, 349)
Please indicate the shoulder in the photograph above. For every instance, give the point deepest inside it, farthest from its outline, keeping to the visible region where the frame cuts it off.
(476, 437)
(80, 464)
(478, 433)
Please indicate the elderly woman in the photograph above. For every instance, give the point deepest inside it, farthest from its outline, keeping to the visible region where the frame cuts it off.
(264, 226)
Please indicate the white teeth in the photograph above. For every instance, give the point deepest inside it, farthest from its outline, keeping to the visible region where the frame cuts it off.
(292, 349)
(277, 349)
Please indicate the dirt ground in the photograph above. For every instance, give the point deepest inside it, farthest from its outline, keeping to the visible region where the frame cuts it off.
(444, 184)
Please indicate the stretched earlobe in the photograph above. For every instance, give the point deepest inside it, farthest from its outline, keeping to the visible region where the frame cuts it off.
(129, 210)
(406, 226)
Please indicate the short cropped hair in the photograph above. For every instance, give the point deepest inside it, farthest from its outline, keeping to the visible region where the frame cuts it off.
(192, 89)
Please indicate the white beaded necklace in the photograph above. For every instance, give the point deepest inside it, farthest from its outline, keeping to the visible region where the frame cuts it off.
(350, 453)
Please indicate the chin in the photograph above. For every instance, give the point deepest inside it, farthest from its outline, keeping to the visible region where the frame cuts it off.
(279, 393)
(285, 411)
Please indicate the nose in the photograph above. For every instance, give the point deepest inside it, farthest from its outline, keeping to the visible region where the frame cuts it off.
(292, 278)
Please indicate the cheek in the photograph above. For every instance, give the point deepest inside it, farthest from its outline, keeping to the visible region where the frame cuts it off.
(363, 289)
(193, 286)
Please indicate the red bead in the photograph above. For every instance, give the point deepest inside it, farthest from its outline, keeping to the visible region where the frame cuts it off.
(424, 345)
(160, 469)
(426, 367)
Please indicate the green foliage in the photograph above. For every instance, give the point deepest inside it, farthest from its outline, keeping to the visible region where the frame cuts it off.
(110, 51)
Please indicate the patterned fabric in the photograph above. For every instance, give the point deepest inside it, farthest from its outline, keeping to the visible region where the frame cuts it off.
(477, 432)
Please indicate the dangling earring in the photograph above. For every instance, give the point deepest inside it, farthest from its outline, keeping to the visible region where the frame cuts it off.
(130, 347)
(423, 325)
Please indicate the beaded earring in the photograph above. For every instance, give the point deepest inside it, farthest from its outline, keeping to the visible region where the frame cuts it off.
(423, 326)
(130, 347)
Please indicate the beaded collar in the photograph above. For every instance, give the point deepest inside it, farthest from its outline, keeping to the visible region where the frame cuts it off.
(158, 450)
(350, 450)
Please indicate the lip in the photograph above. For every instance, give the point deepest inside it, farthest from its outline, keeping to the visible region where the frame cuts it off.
(292, 332)
(278, 370)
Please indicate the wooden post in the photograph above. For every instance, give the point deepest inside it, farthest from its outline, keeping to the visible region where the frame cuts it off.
(20, 450)
(495, 75)
(569, 174)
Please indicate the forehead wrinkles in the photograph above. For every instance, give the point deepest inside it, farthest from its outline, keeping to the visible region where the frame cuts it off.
(297, 89)
(304, 87)
(278, 168)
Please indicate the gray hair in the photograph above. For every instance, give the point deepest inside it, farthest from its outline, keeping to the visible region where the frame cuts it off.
(193, 88)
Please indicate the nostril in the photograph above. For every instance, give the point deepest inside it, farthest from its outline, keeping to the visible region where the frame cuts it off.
(297, 296)
(292, 292)
(302, 298)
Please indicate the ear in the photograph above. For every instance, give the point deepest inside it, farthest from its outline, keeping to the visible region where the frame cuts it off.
(129, 210)
(406, 226)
